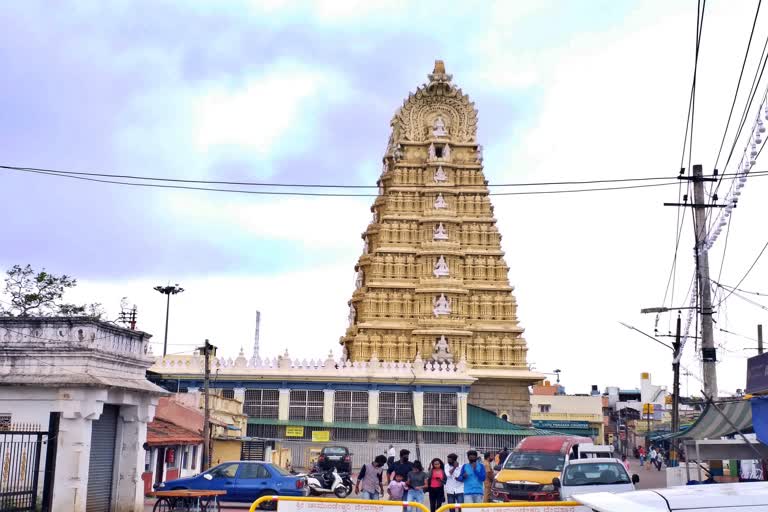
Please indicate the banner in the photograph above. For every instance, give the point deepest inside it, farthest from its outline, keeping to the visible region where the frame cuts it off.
(321, 436)
(294, 431)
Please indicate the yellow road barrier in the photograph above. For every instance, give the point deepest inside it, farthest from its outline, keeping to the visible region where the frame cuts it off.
(305, 504)
(533, 506)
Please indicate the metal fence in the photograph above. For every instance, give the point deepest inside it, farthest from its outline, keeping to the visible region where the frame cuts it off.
(25, 482)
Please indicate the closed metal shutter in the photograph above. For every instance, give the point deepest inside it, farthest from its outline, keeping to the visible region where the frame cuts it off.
(253, 450)
(103, 441)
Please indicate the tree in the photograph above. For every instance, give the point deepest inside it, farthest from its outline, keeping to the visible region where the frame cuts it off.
(34, 293)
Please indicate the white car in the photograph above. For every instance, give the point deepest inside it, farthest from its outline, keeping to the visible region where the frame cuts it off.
(594, 475)
(742, 497)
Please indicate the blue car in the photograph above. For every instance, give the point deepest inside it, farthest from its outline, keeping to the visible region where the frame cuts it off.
(244, 481)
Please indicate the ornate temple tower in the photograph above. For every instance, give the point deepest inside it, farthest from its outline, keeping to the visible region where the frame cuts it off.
(432, 279)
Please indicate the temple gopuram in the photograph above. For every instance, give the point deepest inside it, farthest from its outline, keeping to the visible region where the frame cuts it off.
(432, 281)
(433, 358)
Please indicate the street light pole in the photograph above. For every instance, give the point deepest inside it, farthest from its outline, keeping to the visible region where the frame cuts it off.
(168, 291)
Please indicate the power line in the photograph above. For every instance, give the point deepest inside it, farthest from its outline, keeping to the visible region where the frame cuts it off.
(316, 185)
(751, 97)
(738, 83)
(760, 254)
(321, 194)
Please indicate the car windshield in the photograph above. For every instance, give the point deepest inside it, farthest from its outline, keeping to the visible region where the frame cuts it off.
(279, 470)
(535, 461)
(603, 473)
(334, 450)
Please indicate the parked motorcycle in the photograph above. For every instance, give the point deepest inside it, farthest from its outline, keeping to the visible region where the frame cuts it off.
(329, 481)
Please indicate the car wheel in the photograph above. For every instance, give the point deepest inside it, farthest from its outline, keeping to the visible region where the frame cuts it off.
(267, 505)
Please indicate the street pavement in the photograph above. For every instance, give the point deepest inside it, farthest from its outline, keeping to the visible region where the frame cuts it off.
(649, 478)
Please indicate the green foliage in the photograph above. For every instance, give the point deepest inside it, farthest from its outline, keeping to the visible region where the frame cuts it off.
(32, 293)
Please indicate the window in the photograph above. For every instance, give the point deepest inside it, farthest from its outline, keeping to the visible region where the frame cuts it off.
(185, 457)
(261, 403)
(439, 151)
(194, 457)
(306, 405)
(605, 473)
(395, 408)
(228, 470)
(544, 407)
(147, 460)
(350, 406)
(254, 471)
(505, 417)
(5, 421)
(440, 409)
(228, 393)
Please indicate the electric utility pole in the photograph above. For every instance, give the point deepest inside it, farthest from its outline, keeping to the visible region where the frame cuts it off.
(207, 350)
(708, 351)
(759, 338)
(675, 389)
(700, 205)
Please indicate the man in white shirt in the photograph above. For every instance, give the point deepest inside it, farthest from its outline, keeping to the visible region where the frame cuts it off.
(652, 458)
(390, 460)
(454, 490)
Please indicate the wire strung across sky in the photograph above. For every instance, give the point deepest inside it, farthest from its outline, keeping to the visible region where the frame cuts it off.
(140, 181)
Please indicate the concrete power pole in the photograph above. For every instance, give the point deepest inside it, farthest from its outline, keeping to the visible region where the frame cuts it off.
(208, 350)
(708, 351)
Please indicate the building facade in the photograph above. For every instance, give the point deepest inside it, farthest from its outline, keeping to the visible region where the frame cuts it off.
(228, 423)
(295, 407)
(432, 280)
(89, 378)
(570, 414)
(174, 443)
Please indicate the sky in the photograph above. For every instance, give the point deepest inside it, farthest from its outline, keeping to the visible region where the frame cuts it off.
(303, 92)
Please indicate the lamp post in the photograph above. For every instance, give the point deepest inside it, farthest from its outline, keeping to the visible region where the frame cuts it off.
(168, 291)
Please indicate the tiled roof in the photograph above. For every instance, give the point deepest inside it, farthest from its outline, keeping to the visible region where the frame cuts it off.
(161, 432)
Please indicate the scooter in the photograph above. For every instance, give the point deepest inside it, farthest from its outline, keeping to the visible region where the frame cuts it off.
(327, 482)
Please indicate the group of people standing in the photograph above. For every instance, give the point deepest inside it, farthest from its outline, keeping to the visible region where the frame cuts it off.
(654, 457)
(469, 482)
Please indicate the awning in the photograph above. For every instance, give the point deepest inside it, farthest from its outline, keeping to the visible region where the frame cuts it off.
(712, 425)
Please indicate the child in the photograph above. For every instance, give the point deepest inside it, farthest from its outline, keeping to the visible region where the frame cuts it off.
(396, 488)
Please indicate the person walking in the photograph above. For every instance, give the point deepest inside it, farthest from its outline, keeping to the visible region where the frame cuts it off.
(625, 462)
(390, 459)
(473, 475)
(659, 459)
(401, 467)
(488, 483)
(454, 489)
(436, 484)
(370, 478)
(651, 458)
(417, 484)
(641, 453)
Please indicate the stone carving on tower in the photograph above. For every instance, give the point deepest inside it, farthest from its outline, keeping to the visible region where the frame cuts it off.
(418, 290)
